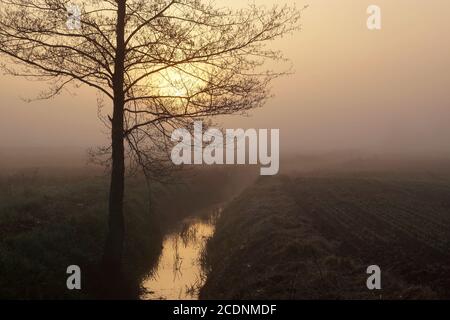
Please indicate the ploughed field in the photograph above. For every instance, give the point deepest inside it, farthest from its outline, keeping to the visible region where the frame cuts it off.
(313, 236)
(400, 224)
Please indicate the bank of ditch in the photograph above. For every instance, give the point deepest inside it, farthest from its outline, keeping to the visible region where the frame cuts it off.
(50, 220)
(265, 247)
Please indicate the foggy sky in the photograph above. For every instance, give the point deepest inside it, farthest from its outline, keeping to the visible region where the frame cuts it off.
(379, 91)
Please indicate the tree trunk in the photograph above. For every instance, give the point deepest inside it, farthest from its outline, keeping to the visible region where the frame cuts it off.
(112, 259)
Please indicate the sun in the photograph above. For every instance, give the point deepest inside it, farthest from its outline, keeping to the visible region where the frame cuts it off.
(179, 83)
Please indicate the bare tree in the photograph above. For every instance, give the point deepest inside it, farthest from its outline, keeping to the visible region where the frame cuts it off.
(162, 64)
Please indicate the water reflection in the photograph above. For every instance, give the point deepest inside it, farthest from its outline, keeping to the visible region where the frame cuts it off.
(178, 274)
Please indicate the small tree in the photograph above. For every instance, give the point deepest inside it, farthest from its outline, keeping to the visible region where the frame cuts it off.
(161, 63)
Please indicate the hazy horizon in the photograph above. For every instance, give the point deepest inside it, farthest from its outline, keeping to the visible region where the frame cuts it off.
(353, 89)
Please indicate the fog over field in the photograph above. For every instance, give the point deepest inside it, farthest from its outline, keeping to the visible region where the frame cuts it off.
(364, 144)
(352, 89)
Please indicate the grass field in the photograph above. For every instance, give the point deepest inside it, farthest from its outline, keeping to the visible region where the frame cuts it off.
(52, 218)
(49, 221)
(307, 236)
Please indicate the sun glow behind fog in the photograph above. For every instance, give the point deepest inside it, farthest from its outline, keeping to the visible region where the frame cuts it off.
(176, 83)
(352, 88)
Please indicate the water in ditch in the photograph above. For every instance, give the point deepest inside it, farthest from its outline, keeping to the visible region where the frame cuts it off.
(179, 274)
